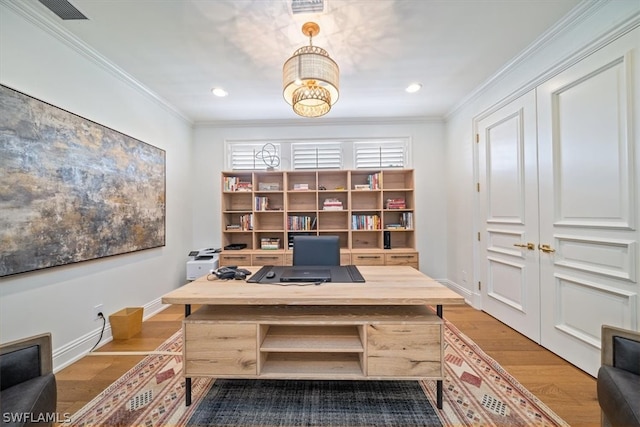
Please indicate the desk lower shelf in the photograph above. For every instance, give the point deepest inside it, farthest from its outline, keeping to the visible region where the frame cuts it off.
(313, 342)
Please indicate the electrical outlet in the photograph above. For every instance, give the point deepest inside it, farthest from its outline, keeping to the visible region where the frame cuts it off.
(97, 309)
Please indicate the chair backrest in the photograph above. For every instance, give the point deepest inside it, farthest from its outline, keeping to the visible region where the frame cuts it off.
(621, 348)
(24, 359)
(316, 250)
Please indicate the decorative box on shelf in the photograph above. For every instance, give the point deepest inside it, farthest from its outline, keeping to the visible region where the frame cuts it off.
(269, 186)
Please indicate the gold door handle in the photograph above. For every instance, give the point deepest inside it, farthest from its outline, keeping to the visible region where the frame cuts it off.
(529, 246)
(546, 248)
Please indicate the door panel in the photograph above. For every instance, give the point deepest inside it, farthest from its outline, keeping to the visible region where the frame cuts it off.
(588, 202)
(507, 155)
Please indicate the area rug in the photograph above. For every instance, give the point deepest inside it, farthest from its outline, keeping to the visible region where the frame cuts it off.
(477, 391)
(314, 403)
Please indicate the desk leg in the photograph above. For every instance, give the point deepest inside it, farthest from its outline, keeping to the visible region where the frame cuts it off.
(187, 391)
(187, 381)
(439, 382)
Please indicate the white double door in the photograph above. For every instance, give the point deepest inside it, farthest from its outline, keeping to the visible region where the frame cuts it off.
(558, 203)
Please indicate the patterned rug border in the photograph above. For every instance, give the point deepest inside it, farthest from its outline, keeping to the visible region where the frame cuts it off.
(430, 388)
(458, 409)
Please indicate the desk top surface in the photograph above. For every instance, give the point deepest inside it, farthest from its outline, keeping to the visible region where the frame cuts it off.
(385, 285)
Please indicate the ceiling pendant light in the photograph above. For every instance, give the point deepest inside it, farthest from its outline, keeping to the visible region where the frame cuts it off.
(310, 78)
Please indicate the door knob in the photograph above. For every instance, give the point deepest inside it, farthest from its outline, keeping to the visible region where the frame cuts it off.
(546, 248)
(529, 246)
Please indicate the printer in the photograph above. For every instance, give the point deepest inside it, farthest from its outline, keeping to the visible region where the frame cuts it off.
(201, 262)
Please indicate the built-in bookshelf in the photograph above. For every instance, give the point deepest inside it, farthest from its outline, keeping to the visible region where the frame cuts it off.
(371, 211)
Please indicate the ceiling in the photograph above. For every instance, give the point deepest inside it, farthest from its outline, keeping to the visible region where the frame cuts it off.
(181, 49)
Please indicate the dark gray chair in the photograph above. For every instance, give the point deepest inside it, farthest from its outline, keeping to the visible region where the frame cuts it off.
(619, 377)
(316, 250)
(28, 393)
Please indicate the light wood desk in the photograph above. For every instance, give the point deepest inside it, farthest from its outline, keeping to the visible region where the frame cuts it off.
(381, 329)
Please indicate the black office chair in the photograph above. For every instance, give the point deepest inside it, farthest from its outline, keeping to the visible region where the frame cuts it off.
(316, 250)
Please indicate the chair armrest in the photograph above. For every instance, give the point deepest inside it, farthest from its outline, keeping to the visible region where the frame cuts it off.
(608, 332)
(26, 358)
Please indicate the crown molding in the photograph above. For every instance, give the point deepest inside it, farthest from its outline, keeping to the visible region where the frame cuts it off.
(48, 24)
(321, 122)
(577, 15)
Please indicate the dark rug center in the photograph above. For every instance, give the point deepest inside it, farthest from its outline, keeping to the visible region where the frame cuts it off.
(314, 403)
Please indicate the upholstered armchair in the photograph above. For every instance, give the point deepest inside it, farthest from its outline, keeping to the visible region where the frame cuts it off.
(619, 377)
(27, 385)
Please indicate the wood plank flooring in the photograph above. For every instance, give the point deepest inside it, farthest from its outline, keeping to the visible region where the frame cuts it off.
(568, 391)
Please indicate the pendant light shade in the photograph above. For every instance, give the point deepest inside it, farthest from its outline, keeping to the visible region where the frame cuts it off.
(310, 78)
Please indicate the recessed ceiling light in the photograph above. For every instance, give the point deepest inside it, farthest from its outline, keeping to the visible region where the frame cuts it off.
(413, 87)
(218, 91)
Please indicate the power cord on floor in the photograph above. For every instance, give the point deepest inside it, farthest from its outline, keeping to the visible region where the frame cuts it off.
(104, 324)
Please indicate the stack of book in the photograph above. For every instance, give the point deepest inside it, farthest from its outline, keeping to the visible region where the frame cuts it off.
(332, 205)
(395, 227)
(300, 186)
(233, 183)
(290, 243)
(398, 203)
(269, 243)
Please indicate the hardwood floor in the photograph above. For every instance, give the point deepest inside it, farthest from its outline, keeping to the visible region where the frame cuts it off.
(568, 391)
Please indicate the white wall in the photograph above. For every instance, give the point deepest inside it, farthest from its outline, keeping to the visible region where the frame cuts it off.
(427, 151)
(60, 300)
(570, 41)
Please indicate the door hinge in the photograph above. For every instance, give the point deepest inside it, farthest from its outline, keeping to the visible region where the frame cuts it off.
(478, 187)
(479, 286)
(478, 236)
(477, 138)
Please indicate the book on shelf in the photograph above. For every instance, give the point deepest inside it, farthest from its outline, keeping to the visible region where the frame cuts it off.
(291, 235)
(365, 222)
(270, 243)
(246, 222)
(398, 203)
(395, 227)
(301, 222)
(234, 183)
(406, 220)
(332, 205)
(299, 187)
(374, 181)
(262, 203)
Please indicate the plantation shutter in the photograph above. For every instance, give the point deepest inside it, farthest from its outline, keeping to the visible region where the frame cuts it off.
(250, 156)
(374, 155)
(316, 156)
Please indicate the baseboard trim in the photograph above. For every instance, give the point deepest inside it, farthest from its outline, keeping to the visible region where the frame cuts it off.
(75, 350)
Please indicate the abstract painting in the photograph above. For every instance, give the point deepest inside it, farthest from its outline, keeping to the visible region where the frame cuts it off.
(71, 189)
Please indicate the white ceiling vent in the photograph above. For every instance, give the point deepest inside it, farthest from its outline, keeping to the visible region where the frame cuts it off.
(64, 9)
(307, 6)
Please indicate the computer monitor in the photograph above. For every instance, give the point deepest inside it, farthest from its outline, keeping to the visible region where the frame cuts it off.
(316, 250)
